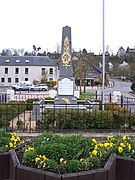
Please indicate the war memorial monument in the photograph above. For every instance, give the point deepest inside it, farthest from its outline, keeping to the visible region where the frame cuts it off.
(66, 82)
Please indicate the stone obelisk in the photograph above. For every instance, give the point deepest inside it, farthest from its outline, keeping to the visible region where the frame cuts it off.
(66, 82)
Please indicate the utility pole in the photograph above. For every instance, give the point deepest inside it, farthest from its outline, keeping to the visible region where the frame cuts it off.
(103, 59)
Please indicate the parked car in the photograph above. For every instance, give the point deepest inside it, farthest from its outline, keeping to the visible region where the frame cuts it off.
(39, 87)
(16, 86)
(22, 87)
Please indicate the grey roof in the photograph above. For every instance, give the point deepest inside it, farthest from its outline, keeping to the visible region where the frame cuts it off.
(27, 61)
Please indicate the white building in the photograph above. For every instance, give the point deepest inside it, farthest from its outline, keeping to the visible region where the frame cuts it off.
(27, 68)
(121, 52)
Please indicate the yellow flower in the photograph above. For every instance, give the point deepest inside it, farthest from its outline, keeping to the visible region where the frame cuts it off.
(64, 162)
(14, 142)
(111, 144)
(109, 137)
(6, 146)
(122, 144)
(44, 157)
(81, 159)
(18, 138)
(124, 138)
(101, 154)
(26, 150)
(95, 147)
(61, 160)
(120, 149)
(30, 149)
(101, 145)
(94, 152)
(44, 165)
(22, 142)
(40, 156)
(14, 134)
(94, 141)
(129, 147)
(10, 145)
(12, 138)
(106, 144)
(37, 159)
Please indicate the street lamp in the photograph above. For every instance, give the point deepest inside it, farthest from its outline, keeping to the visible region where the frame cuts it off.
(103, 58)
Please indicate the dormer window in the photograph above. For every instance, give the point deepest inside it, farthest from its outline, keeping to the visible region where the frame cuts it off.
(27, 61)
(17, 61)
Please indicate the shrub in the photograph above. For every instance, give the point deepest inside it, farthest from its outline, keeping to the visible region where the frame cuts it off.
(29, 103)
(84, 119)
(9, 111)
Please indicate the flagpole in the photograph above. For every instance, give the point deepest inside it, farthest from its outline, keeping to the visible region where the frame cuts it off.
(103, 59)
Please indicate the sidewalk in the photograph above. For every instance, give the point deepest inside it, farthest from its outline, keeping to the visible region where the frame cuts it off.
(83, 133)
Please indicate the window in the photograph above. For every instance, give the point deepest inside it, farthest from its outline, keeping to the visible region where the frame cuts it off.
(6, 70)
(26, 79)
(16, 80)
(51, 70)
(17, 60)
(7, 60)
(2, 80)
(43, 72)
(26, 70)
(16, 70)
(27, 61)
(9, 80)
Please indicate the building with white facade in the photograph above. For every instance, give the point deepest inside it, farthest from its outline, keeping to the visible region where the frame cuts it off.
(121, 52)
(27, 68)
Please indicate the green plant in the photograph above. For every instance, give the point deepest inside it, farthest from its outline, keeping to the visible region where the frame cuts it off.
(29, 103)
(9, 141)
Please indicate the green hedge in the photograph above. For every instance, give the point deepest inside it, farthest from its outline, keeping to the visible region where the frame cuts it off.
(83, 119)
(9, 111)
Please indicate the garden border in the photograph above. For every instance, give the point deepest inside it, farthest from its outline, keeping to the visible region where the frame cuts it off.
(20, 172)
(4, 165)
(116, 168)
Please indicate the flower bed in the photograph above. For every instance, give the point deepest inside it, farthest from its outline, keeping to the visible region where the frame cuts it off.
(53, 157)
(7, 142)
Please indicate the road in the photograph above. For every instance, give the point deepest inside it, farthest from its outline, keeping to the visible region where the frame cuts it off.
(123, 87)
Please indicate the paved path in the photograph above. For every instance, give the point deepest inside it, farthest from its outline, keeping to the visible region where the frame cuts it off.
(85, 134)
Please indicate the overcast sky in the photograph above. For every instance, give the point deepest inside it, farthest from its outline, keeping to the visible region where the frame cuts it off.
(25, 23)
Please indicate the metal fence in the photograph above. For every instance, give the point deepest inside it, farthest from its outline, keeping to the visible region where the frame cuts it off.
(37, 116)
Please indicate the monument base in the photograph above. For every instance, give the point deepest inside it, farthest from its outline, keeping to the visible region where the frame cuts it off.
(65, 100)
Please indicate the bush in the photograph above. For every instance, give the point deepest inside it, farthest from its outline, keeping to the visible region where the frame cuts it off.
(84, 119)
(9, 111)
(29, 103)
